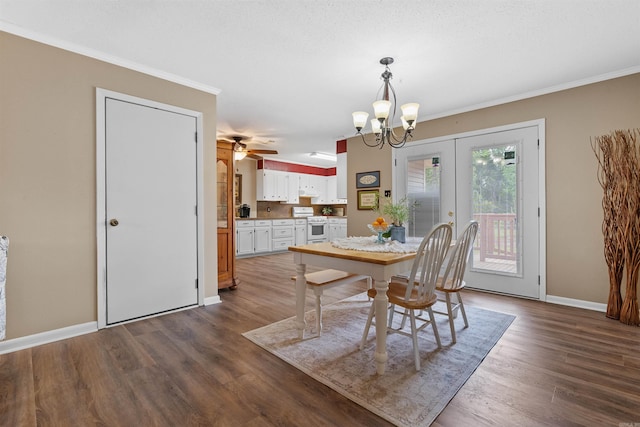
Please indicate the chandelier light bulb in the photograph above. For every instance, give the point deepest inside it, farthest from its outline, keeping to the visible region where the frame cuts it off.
(405, 123)
(381, 109)
(360, 119)
(375, 126)
(410, 111)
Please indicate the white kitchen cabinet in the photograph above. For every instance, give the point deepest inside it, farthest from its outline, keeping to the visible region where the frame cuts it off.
(300, 232)
(320, 187)
(271, 185)
(293, 188)
(282, 234)
(262, 236)
(244, 237)
(253, 236)
(337, 228)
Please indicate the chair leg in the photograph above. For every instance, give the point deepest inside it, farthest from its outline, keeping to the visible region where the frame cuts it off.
(404, 318)
(435, 328)
(414, 337)
(450, 313)
(367, 326)
(392, 310)
(464, 314)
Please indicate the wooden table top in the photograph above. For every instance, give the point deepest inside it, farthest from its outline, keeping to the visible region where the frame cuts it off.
(327, 249)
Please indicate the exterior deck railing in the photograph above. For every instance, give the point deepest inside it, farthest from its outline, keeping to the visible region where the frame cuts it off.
(496, 236)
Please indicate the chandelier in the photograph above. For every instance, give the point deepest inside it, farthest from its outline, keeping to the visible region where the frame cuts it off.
(382, 125)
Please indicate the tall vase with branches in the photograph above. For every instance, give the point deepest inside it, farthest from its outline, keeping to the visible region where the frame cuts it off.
(629, 163)
(604, 148)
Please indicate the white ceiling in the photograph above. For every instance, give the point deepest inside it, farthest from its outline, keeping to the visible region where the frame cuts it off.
(292, 71)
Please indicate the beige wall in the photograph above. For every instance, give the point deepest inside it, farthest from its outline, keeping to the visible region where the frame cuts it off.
(48, 178)
(574, 252)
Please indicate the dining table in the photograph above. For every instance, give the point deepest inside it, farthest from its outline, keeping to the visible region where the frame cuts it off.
(380, 266)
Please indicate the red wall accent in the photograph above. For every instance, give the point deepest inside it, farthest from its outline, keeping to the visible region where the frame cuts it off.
(293, 167)
(341, 146)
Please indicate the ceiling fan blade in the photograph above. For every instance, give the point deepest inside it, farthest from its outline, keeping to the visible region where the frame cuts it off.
(262, 151)
(253, 156)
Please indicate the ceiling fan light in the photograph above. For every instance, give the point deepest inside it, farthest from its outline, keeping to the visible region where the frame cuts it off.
(360, 119)
(239, 155)
(410, 111)
(381, 109)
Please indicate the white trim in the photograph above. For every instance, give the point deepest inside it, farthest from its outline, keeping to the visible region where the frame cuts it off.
(212, 300)
(570, 302)
(102, 56)
(542, 223)
(47, 337)
(101, 96)
(532, 94)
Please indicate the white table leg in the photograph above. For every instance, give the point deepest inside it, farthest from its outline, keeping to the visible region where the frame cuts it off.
(381, 303)
(301, 289)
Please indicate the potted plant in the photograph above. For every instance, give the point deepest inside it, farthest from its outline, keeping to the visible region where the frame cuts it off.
(327, 210)
(398, 213)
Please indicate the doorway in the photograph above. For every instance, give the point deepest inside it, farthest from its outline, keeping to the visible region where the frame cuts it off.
(149, 230)
(492, 176)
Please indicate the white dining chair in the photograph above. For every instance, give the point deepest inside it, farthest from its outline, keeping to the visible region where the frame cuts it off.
(418, 293)
(452, 281)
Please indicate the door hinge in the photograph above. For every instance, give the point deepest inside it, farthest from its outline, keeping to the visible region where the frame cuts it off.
(538, 280)
(538, 143)
(196, 137)
(196, 283)
(196, 209)
(538, 212)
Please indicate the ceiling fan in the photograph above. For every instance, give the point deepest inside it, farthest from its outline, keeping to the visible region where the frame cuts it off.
(240, 149)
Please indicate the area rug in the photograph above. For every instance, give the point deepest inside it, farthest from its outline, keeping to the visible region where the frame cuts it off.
(402, 396)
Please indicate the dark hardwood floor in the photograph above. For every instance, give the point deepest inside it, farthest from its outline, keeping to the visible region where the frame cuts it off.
(555, 365)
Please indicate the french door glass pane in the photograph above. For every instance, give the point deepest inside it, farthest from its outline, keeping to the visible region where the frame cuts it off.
(495, 207)
(423, 193)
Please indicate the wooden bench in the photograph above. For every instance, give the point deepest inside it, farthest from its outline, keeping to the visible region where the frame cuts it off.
(325, 279)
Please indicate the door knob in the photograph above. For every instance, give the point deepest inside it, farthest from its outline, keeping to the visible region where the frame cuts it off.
(114, 222)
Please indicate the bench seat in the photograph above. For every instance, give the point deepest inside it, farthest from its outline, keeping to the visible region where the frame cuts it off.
(325, 279)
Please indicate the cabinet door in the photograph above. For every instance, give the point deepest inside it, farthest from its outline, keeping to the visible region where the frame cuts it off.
(293, 185)
(301, 235)
(244, 241)
(262, 239)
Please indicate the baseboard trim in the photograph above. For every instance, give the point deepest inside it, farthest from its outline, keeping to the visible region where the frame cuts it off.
(212, 300)
(47, 337)
(589, 305)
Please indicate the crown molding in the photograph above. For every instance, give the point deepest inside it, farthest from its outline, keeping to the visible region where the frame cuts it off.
(102, 56)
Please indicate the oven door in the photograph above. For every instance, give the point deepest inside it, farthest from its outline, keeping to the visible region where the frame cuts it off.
(317, 232)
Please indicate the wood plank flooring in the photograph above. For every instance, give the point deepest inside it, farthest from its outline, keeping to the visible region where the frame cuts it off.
(555, 365)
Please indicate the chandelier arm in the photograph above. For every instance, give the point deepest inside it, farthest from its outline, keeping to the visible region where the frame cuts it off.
(378, 141)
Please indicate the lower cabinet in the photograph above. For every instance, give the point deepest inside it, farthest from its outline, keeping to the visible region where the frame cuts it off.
(337, 228)
(282, 234)
(300, 232)
(253, 236)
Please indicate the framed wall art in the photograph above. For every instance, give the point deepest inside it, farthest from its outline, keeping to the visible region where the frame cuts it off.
(368, 179)
(367, 199)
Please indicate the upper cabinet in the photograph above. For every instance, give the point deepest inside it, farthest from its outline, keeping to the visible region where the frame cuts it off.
(288, 187)
(271, 185)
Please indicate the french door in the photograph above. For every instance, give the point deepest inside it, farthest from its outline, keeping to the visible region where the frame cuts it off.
(492, 178)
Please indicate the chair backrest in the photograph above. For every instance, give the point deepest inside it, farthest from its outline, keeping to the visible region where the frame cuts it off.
(454, 274)
(426, 265)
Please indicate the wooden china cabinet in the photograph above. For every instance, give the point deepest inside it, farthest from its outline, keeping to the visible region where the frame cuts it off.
(225, 216)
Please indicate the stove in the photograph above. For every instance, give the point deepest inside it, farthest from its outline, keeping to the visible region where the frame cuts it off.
(317, 226)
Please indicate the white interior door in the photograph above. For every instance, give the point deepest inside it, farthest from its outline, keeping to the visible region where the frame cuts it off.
(493, 178)
(150, 210)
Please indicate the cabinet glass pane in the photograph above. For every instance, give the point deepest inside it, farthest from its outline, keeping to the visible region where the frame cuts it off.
(222, 176)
